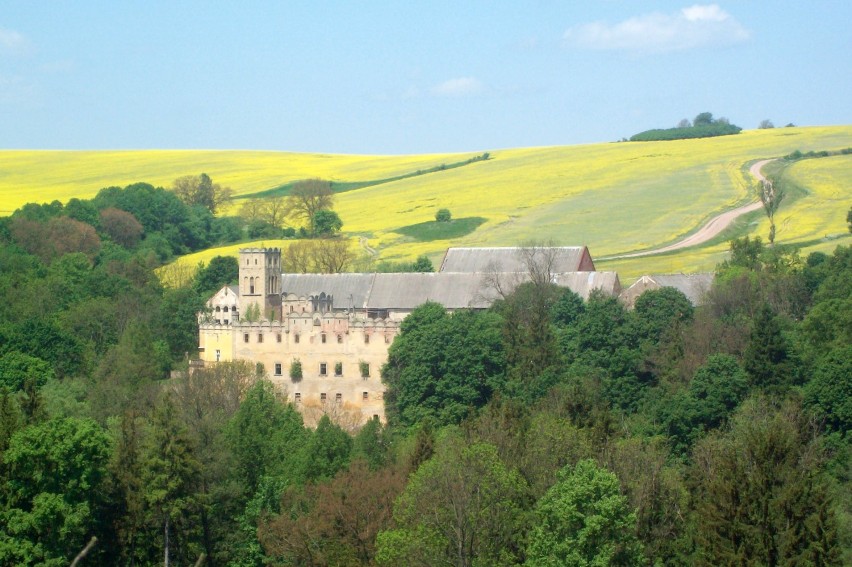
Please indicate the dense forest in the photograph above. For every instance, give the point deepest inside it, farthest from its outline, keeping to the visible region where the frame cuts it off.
(546, 430)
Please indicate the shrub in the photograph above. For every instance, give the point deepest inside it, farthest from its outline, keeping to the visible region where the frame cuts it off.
(443, 215)
(296, 369)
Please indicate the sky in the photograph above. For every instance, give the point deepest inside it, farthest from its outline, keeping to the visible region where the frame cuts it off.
(401, 77)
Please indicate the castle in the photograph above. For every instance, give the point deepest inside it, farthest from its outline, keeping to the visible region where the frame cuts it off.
(326, 336)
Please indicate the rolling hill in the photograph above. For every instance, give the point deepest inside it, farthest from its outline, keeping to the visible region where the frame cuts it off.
(616, 197)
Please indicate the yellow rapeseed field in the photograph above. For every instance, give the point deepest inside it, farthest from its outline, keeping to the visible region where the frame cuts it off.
(615, 197)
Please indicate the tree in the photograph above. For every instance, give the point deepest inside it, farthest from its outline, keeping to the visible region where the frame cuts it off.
(684, 123)
(759, 495)
(201, 190)
(121, 226)
(170, 477)
(422, 264)
(221, 271)
(441, 366)
(767, 358)
(327, 451)
(332, 256)
(462, 507)
(703, 119)
(443, 215)
(53, 491)
(16, 369)
(765, 124)
(584, 520)
(658, 310)
(771, 195)
(307, 198)
(326, 223)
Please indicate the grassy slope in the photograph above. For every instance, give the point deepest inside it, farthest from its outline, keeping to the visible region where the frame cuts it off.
(612, 197)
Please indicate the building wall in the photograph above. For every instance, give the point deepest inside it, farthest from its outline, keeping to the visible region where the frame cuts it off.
(320, 342)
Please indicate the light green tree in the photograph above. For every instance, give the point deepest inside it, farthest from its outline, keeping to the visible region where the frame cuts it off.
(584, 520)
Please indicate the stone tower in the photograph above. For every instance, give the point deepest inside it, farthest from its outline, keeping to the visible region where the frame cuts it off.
(260, 280)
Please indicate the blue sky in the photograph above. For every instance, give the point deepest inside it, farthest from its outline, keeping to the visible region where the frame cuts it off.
(400, 77)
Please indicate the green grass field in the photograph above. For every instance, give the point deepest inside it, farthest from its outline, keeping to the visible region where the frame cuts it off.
(615, 197)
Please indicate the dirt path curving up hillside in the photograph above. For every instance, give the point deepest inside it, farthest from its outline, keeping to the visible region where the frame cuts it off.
(713, 227)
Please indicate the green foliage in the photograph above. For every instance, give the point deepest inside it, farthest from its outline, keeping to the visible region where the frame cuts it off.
(443, 215)
(266, 437)
(584, 520)
(759, 499)
(462, 507)
(658, 310)
(327, 451)
(16, 369)
(767, 358)
(435, 230)
(326, 223)
(698, 130)
(53, 491)
(221, 271)
(441, 366)
(296, 370)
(422, 264)
(829, 392)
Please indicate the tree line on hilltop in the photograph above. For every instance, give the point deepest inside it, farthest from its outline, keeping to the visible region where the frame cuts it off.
(544, 430)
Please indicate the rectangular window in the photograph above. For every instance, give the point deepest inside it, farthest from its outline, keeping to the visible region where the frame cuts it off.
(366, 339)
(296, 338)
(323, 338)
(338, 398)
(322, 397)
(260, 337)
(365, 369)
(278, 337)
(323, 369)
(365, 396)
(278, 369)
(245, 337)
(338, 369)
(298, 398)
(340, 339)
(387, 339)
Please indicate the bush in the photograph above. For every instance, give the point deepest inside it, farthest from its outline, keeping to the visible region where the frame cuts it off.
(443, 215)
(296, 369)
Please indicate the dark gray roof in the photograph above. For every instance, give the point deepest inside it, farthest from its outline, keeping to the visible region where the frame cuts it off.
(340, 286)
(453, 290)
(408, 290)
(567, 259)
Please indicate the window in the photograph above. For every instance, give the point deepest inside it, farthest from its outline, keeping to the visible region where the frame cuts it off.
(296, 338)
(278, 369)
(387, 339)
(226, 321)
(278, 337)
(366, 339)
(322, 397)
(218, 309)
(323, 369)
(365, 396)
(260, 337)
(322, 338)
(340, 339)
(218, 354)
(338, 369)
(364, 367)
(338, 398)
(298, 397)
(245, 337)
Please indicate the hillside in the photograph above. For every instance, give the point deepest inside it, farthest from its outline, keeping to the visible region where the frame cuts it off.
(614, 197)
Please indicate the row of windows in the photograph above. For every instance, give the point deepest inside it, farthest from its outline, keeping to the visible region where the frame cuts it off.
(296, 338)
(338, 397)
(363, 367)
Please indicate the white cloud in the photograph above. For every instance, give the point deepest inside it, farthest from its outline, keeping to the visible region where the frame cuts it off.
(691, 27)
(13, 42)
(461, 86)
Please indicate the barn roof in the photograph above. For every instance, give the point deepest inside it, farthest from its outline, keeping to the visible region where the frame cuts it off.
(693, 286)
(511, 259)
(453, 290)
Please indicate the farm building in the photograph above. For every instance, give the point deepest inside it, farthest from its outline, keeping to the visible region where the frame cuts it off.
(325, 337)
(693, 286)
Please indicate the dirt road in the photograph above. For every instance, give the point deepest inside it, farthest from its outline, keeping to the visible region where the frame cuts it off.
(713, 227)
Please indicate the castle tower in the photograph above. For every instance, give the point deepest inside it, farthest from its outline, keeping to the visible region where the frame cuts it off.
(260, 281)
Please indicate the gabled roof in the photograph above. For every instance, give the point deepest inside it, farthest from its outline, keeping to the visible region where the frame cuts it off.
(511, 259)
(693, 286)
(453, 290)
(348, 290)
